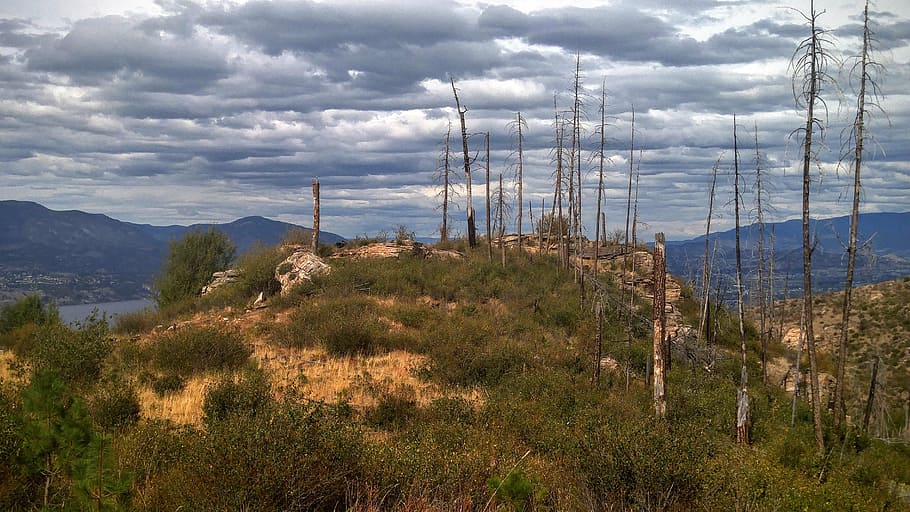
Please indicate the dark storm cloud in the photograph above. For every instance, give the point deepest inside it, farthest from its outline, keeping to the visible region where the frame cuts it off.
(98, 50)
(210, 113)
(629, 34)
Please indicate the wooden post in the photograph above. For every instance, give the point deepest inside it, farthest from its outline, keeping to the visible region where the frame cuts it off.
(314, 241)
(660, 326)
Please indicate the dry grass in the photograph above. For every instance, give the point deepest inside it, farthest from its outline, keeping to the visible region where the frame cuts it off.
(7, 374)
(183, 407)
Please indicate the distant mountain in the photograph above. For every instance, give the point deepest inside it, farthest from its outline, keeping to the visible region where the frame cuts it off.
(78, 257)
(886, 256)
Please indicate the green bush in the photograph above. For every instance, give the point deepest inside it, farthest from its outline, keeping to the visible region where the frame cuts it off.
(394, 409)
(249, 395)
(28, 310)
(199, 349)
(257, 267)
(190, 263)
(168, 383)
(115, 406)
(74, 355)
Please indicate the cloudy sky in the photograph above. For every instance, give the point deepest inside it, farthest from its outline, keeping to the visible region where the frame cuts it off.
(178, 111)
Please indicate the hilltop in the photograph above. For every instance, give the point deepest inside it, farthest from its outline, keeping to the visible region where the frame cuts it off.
(435, 382)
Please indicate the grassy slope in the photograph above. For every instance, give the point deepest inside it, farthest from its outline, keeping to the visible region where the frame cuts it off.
(447, 385)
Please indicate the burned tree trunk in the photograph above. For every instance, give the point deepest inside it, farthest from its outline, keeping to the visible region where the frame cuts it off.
(314, 239)
(600, 179)
(706, 271)
(489, 231)
(472, 231)
(742, 395)
(598, 341)
(871, 399)
(659, 317)
(520, 183)
(762, 299)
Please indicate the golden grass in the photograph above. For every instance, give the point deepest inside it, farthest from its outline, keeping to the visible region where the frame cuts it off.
(183, 407)
(7, 359)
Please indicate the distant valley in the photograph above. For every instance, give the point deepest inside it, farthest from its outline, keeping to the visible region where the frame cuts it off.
(75, 257)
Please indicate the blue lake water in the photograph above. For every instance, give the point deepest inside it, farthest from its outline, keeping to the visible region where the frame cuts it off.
(78, 312)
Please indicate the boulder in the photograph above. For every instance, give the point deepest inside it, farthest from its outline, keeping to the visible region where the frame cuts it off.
(300, 266)
(220, 279)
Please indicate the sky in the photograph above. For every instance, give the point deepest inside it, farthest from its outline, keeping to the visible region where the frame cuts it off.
(181, 112)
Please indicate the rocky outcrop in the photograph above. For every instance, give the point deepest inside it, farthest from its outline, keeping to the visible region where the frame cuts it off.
(302, 265)
(395, 250)
(220, 279)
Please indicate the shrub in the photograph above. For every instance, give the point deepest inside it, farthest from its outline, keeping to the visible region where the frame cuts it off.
(115, 406)
(257, 267)
(74, 355)
(190, 263)
(249, 395)
(28, 310)
(199, 349)
(395, 408)
(169, 383)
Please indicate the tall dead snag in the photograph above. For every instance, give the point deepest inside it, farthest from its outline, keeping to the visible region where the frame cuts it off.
(762, 299)
(625, 257)
(659, 317)
(809, 66)
(472, 231)
(866, 86)
(502, 232)
(518, 124)
(706, 270)
(444, 175)
(314, 239)
(600, 180)
(742, 395)
(489, 231)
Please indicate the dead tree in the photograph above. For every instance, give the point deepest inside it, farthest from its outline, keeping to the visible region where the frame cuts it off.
(314, 239)
(518, 124)
(472, 231)
(868, 92)
(762, 300)
(871, 399)
(598, 340)
(625, 257)
(706, 271)
(742, 396)
(444, 175)
(659, 317)
(600, 179)
(489, 231)
(502, 231)
(809, 66)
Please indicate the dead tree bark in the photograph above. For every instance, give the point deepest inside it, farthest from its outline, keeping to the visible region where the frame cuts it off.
(472, 231)
(706, 271)
(660, 326)
(314, 239)
(489, 231)
(871, 399)
(859, 128)
(809, 74)
(625, 256)
(797, 377)
(742, 396)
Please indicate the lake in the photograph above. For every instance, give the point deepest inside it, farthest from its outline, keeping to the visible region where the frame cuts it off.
(78, 312)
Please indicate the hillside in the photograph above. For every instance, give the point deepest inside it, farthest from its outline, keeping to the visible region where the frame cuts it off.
(886, 257)
(76, 257)
(431, 382)
(879, 328)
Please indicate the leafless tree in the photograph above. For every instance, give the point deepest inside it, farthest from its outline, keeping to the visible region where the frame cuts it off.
(809, 65)
(762, 299)
(445, 177)
(600, 181)
(742, 396)
(660, 327)
(867, 99)
(489, 231)
(314, 239)
(706, 270)
(472, 231)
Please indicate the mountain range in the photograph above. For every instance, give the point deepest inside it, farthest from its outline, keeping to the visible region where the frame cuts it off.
(76, 257)
(884, 255)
